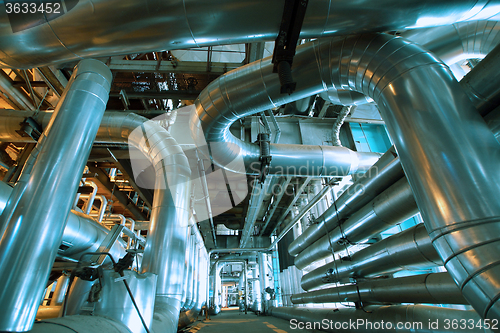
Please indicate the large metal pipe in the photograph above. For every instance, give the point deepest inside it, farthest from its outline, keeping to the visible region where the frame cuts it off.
(393, 71)
(459, 41)
(432, 288)
(379, 177)
(221, 103)
(373, 319)
(195, 23)
(394, 205)
(455, 201)
(410, 249)
(35, 215)
(165, 250)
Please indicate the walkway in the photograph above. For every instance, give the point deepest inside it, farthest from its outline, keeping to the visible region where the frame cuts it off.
(232, 320)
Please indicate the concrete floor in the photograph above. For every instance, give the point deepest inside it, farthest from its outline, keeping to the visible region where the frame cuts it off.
(232, 320)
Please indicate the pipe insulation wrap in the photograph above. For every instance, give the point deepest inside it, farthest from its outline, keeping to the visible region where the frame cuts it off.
(33, 235)
(194, 23)
(409, 249)
(385, 172)
(395, 205)
(433, 288)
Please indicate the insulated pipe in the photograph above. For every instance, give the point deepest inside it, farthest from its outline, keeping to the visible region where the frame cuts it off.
(190, 275)
(375, 319)
(410, 249)
(459, 41)
(393, 206)
(187, 265)
(11, 124)
(220, 104)
(61, 289)
(165, 249)
(34, 218)
(456, 201)
(90, 197)
(124, 27)
(81, 234)
(432, 288)
(379, 177)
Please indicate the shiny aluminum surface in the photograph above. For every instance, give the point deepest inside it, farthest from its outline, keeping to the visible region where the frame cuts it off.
(379, 177)
(433, 288)
(255, 88)
(115, 302)
(459, 41)
(116, 27)
(393, 206)
(393, 314)
(32, 236)
(410, 249)
(165, 250)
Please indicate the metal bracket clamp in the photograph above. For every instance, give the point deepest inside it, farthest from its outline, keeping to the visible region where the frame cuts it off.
(265, 158)
(286, 42)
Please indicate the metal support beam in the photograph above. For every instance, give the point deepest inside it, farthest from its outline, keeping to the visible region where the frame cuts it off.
(102, 179)
(183, 67)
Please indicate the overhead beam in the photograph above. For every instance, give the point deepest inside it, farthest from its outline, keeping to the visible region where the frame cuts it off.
(166, 94)
(185, 67)
(100, 177)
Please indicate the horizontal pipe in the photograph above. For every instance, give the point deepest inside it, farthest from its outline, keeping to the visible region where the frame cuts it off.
(393, 206)
(375, 319)
(433, 288)
(379, 177)
(410, 249)
(124, 27)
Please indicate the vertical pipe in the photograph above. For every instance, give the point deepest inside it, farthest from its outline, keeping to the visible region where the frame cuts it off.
(36, 213)
(61, 289)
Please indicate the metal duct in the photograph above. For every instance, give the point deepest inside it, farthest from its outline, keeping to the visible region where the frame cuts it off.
(11, 124)
(105, 28)
(400, 318)
(81, 234)
(189, 279)
(379, 177)
(35, 215)
(459, 41)
(409, 249)
(433, 288)
(454, 201)
(165, 250)
(393, 206)
(223, 102)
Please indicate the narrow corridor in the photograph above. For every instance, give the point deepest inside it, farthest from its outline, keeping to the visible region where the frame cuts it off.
(232, 320)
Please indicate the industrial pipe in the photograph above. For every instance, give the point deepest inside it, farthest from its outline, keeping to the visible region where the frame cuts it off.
(373, 319)
(199, 24)
(379, 177)
(34, 218)
(393, 206)
(432, 288)
(410, 249)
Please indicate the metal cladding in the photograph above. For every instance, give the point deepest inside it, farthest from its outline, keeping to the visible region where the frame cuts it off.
(409, 249)
(393, 206)
(33, 235)
(223, 102)
(379, 177)
(105, 28)
(165, 250)
(459, 41)
(410, 318)
(433, 288)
